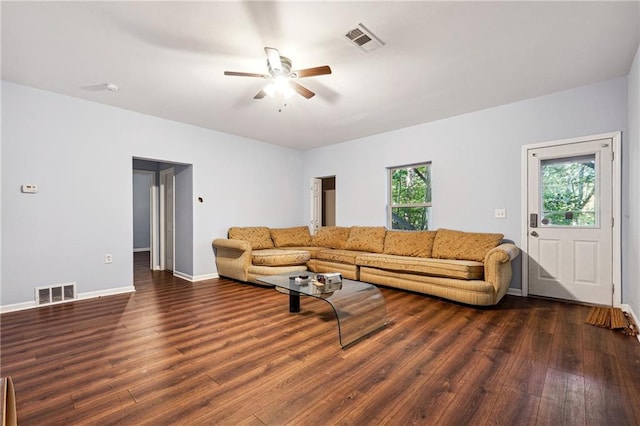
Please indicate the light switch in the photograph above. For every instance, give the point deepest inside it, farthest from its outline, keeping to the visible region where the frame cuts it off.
(500, 213)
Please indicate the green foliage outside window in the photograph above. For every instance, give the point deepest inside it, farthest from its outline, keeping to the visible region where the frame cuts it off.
(410, 197)
(568, 191)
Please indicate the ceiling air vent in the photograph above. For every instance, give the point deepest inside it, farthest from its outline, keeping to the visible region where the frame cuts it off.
(364, 39)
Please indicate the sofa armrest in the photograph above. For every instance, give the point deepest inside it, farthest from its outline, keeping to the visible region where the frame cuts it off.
(497, 267)
(233, 258)
(509, 249)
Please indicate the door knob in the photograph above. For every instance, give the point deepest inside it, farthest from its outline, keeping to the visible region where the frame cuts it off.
(534, 234)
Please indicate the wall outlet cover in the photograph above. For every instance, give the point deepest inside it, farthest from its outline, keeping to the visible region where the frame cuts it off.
(29, 189)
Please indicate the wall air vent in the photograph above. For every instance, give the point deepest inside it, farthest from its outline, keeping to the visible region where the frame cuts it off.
(55, 294)
(364, 39)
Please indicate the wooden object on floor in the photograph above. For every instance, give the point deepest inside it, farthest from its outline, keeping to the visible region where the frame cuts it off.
(612, 318)
(8, 400)
(222, 352)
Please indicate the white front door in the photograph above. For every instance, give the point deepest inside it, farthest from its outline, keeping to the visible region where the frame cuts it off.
(570, 221)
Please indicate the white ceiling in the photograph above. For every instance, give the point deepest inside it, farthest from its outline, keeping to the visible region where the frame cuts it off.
(441, 59)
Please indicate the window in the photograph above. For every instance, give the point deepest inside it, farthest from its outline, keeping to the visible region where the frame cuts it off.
(409, 197)
(569, 191)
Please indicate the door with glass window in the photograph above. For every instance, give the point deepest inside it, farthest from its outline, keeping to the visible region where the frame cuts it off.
(570, 221)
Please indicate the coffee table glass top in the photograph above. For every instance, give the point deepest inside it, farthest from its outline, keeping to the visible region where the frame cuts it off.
(359, 307)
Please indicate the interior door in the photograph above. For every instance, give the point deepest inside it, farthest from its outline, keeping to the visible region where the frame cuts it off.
(570, 221)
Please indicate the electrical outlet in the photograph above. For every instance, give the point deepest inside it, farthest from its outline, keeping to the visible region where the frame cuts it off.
(500, 213)
(29, 189)
(108, 258)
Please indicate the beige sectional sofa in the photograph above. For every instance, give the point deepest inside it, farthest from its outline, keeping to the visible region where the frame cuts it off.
(472, 268)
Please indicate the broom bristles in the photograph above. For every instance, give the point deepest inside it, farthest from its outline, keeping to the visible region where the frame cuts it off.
(612, 318)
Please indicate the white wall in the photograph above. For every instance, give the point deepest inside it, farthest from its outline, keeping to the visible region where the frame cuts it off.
(84, 208)
(631, 196)
(476, 158)
(80, 154)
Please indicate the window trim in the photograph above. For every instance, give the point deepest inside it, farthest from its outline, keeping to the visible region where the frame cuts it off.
(390, 205)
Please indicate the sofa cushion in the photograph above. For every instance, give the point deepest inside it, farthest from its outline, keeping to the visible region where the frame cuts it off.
(460, 269)
(331, 237)
(258, 236)
(311, 249)
(366, 238)
(275, 257)
(339, 256)
(450, 244)
(291, 237)
(409, 243)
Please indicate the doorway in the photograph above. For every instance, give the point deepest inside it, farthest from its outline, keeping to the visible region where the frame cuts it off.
(167, 197)
(571, 199)
(323, 202)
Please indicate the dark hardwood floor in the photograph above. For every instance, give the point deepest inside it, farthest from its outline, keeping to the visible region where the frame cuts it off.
(222, 352)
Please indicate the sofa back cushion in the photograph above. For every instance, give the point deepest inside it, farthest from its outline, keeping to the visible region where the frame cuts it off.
(409, 243)
(366, 238)
(450, 244)
(331, 237)
(298, 236)
(258, 236)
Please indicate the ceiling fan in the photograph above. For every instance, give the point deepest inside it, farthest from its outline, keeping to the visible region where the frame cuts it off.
(281, 76)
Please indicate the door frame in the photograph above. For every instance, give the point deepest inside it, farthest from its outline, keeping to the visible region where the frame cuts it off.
(153, 222)
(164, 203)
(318, 205)
(315, 220)
(616, 208)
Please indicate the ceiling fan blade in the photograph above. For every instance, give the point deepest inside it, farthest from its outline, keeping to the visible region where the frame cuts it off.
(245, 74)
(273, 56)
(312, 72)
(261, 94)
(302, 90)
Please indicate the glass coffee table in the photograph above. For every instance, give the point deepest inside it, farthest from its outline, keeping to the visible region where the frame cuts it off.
(359, 306)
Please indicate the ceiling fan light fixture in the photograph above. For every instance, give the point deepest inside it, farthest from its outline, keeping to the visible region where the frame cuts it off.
(288, 91)
(270, 89)
(280, 84)
(281, 78)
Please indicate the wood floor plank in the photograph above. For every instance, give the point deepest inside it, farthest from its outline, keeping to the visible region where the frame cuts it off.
(513, 407)
(475, 391)
(605, 392)
(563, 399)
(227, 353)
(566, 348)
(528, 372)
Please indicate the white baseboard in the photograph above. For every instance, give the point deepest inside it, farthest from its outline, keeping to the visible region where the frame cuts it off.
(627, 308)
(205, 277)
(514, 291)
(81, 296)
(108, 292)
(195, 278)
(17, 307)
(136, 250)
